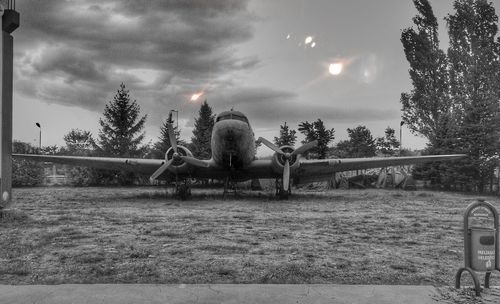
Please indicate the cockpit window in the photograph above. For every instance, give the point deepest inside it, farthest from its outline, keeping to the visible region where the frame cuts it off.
(233, 116)
(224, 117)
(241, 118)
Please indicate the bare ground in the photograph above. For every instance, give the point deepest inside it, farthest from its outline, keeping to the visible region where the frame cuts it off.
(137, 235)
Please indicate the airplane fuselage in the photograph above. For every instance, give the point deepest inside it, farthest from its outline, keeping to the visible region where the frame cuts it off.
(233, 141)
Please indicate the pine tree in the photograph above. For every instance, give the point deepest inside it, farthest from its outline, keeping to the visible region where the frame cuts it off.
(121, 135)
(287, 137)
(163, 143)
(121, 127)
(202, 132)
(317, 131)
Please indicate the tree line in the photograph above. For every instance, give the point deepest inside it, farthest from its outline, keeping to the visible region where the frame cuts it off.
(360, 142)
(454, 103)
(122, 135)
(455, 100)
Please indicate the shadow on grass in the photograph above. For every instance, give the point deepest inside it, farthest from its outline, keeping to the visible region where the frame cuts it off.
(216, 194)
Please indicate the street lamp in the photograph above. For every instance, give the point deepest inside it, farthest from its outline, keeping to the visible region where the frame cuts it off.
(400, 136)
(40, 135)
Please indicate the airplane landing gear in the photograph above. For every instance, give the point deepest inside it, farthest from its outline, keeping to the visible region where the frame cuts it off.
(229, 186)
(280, 192)
(229, 182)
(183, 191)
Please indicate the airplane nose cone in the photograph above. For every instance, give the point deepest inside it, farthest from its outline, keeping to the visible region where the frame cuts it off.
(229, 136)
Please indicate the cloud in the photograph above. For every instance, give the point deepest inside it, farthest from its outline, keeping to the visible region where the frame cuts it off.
(157, 48)
(70, 63)
(76, 53)
(268, 108)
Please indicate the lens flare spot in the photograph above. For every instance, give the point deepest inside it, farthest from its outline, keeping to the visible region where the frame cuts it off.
(335, 68)
(196, 96)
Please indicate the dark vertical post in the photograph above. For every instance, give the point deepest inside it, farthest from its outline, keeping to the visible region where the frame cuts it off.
(401, 136)
(40, 137)
(498, 175)
(10, 22)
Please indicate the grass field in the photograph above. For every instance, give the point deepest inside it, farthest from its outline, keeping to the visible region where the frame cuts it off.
(136, 235)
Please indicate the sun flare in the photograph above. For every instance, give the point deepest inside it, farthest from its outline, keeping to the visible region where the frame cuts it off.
(335, 68)
(196, 96)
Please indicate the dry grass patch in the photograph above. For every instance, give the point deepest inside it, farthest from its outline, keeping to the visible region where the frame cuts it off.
(136, 235)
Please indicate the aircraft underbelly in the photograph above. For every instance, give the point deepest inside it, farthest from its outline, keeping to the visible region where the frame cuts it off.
(233, 144)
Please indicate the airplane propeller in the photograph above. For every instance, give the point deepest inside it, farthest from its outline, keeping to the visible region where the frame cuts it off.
(160, 170)
(270, 145)
(176, 156)
(288, 156)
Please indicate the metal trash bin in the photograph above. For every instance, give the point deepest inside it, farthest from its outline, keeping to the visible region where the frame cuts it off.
(482, 248)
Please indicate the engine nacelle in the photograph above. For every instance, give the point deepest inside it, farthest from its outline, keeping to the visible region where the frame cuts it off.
(178, 165)
(279, 160)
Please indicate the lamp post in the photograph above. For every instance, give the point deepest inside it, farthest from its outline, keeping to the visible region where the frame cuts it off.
(400, 136)
(10, 22)
(40, 135)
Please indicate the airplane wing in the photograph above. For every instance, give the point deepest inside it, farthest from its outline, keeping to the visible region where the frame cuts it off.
(145, 166)
(308, 171)
(323, 169)
(257, 169)
(138, 165)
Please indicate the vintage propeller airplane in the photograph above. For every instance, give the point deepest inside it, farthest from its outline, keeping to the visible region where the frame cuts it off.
(233, 160)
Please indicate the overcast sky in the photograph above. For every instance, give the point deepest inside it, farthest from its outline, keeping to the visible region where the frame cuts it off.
(71, 56)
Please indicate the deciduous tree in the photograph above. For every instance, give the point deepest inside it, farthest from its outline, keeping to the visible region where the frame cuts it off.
(427, 109)
(25, 173)
(360, 143)
(475, 86)
(79, 142)
(316, 130)
(388, 145)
